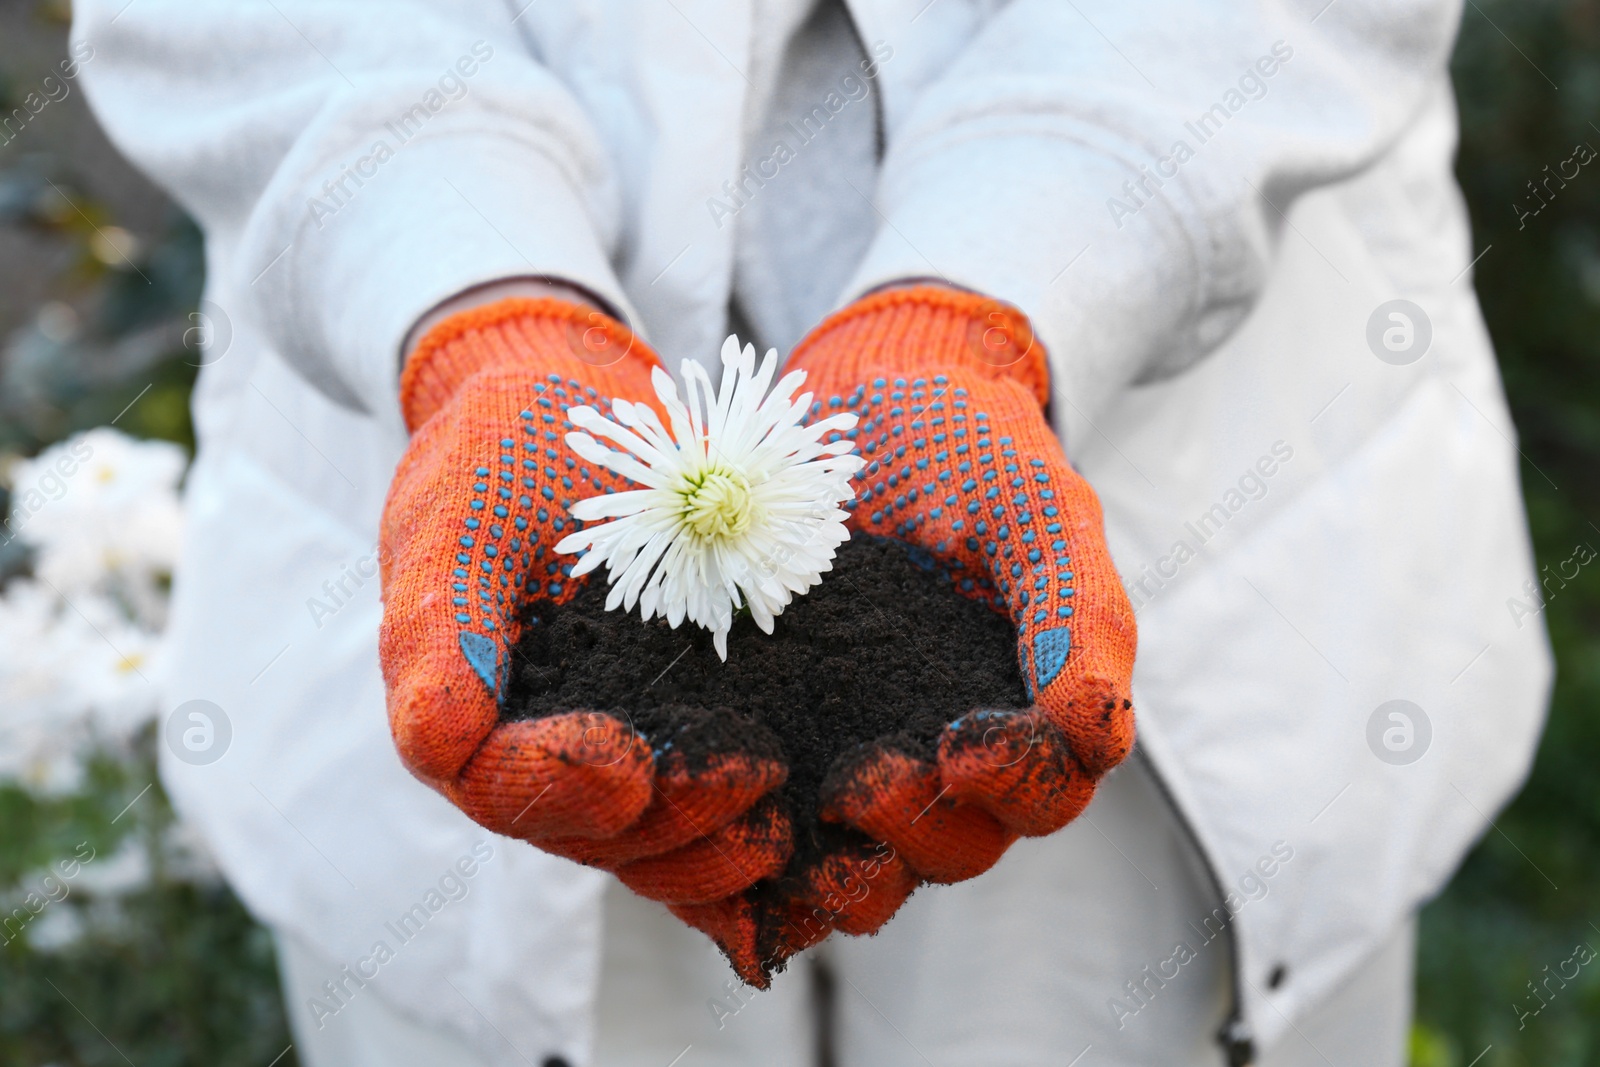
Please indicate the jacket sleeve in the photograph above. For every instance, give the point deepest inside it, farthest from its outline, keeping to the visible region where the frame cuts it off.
(1122, 174)
(354, 163)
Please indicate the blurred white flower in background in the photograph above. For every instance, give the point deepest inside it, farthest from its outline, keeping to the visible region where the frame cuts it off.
(101, 512)
(80, 639)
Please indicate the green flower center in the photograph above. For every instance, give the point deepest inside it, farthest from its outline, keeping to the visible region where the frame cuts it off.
(717, 504)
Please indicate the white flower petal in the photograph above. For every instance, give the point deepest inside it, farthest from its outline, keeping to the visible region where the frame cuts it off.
(611, 505)
(741, 500)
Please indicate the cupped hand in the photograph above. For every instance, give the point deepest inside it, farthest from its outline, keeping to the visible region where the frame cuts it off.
(962, 465)
(477, 502)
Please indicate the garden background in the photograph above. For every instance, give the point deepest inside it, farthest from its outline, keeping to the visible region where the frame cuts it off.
(141, 955)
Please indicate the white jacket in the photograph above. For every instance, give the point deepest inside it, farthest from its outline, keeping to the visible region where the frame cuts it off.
(1202, 209)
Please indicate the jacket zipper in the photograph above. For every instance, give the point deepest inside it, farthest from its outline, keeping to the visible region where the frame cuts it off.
(1234, 1035)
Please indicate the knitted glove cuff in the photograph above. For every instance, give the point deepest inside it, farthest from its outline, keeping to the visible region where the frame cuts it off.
(926, 328)
(547, 333)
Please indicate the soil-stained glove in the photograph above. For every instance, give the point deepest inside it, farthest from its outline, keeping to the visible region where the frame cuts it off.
(963, 466)
(477, 501)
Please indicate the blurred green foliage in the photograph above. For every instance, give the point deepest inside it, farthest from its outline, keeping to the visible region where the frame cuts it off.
(139, 338)
(179, 974)
(168, 971)
(1528, 84)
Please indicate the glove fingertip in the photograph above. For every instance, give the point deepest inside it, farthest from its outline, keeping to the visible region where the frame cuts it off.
(719, 864)
(1017, 767)
(858, 891)
(437, 725)
(731, 924)
(1096, 715)
(580, 774)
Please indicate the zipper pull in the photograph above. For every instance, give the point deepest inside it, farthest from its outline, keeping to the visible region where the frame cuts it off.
(1237, 1042)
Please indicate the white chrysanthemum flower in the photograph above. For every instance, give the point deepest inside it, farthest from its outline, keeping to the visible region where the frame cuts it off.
(103, 514)
(73, 676)
(738, 505)
(82, 636)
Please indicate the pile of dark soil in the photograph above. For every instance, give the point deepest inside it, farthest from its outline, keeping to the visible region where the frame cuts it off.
(882, 650)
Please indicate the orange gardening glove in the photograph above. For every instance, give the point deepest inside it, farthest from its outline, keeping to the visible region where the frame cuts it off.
(478, 500)
(963, 467)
